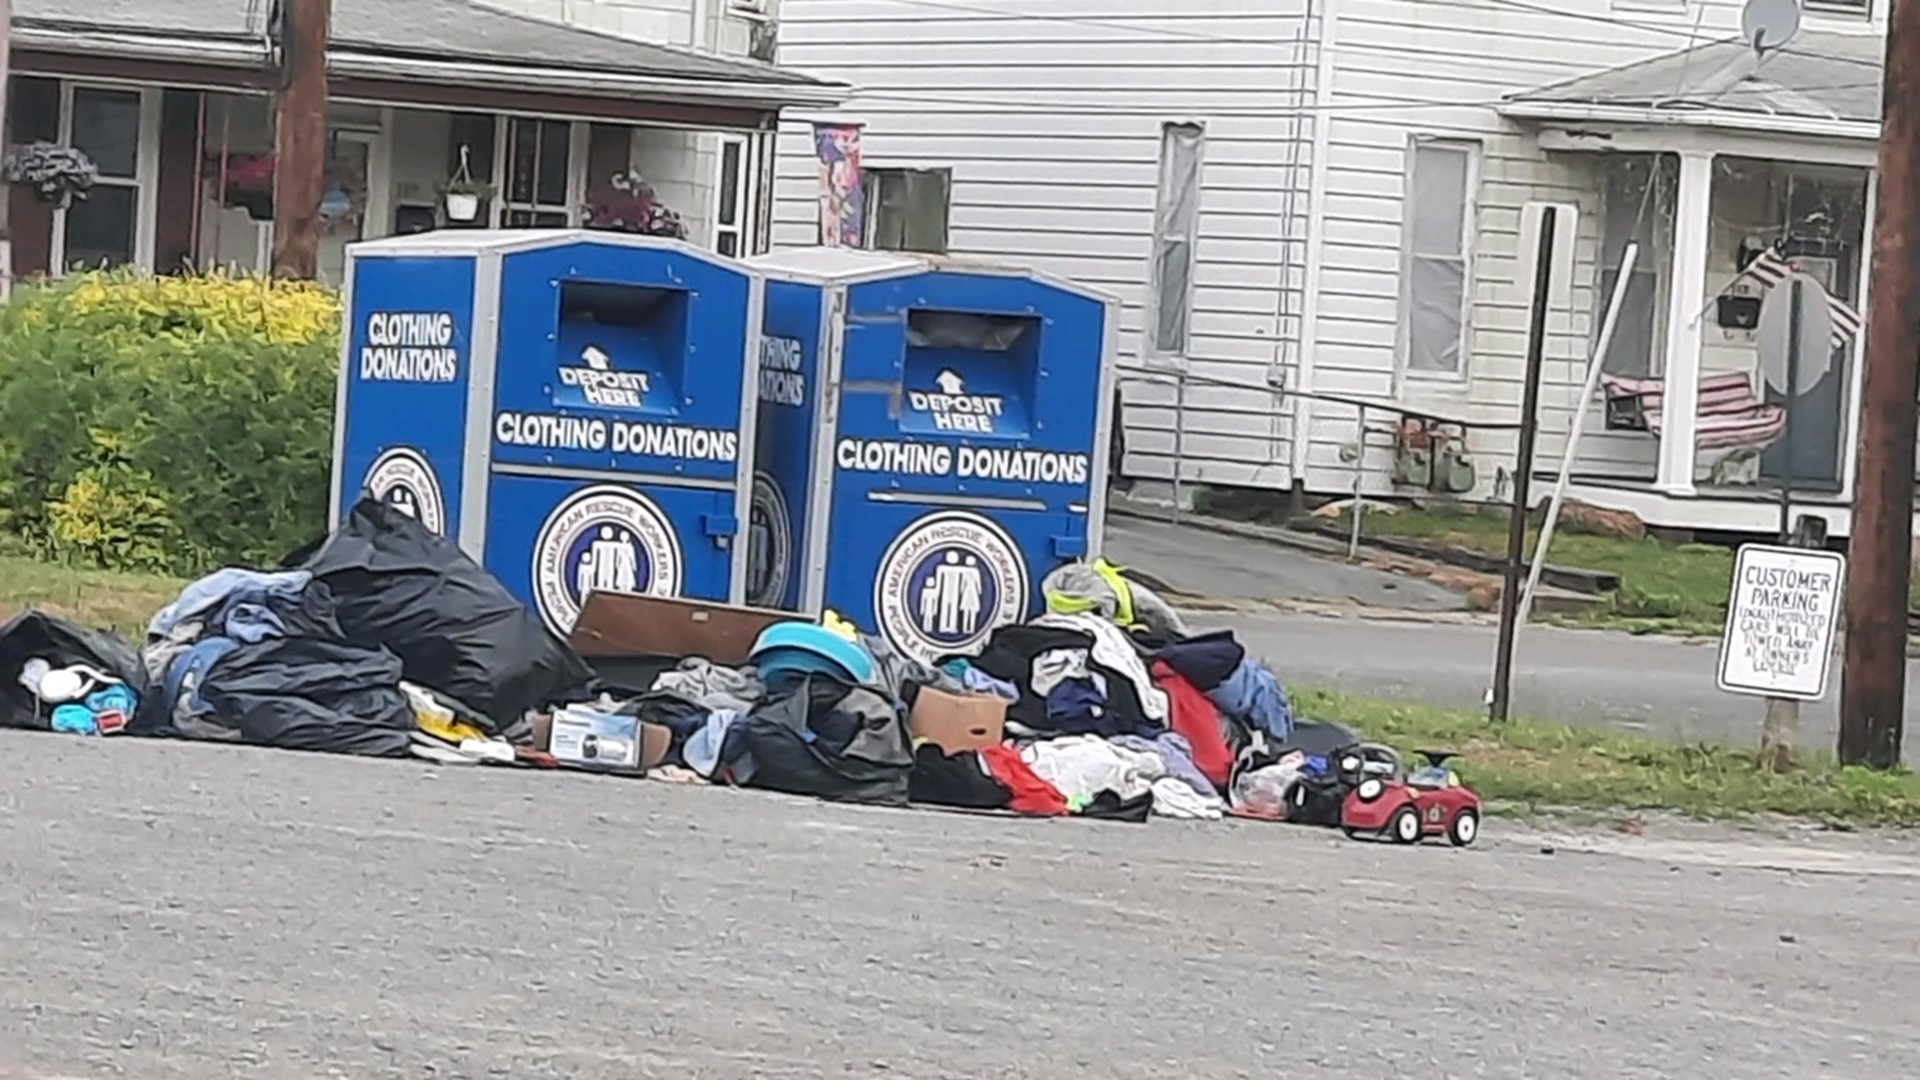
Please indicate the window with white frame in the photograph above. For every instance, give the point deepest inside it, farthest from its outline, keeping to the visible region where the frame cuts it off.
(1439, 253)
(907, 209)
(1176, 230)
(112, 126)
(541, 175)
(732, 200)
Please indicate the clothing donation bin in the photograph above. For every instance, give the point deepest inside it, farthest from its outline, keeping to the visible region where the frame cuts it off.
(931, 441)
(575, 408)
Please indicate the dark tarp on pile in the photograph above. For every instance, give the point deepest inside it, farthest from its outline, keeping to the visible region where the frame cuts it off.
(59, 643)
(455, 628)
(821, 737)
(312, 694)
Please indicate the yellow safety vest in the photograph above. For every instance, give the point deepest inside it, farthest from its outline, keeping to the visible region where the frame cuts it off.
(1062, 604)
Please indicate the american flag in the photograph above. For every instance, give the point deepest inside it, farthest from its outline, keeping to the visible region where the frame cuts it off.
(1769, 269)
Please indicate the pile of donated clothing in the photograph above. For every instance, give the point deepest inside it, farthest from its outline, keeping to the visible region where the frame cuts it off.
(385, 640)
(1113, 709)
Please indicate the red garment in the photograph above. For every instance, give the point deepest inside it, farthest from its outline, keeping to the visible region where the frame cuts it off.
(1032, 795)
(1195, 719)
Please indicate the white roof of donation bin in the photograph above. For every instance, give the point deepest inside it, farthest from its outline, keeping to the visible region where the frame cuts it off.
(849, 266)
(472, 242)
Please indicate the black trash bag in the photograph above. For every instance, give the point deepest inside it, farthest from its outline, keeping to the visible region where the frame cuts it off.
(454, 627)
(60, 643)
(821, 737)
(957, 779)
(1315, 737)
(311, 694)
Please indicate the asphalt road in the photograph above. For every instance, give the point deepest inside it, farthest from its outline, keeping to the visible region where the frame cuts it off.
(1647, 685)
(176, 911)
(1210, 564)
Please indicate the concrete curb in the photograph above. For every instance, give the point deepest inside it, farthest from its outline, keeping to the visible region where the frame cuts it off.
(1317, 545)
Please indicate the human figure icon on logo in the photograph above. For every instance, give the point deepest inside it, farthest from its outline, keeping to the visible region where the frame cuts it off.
(611, 563)
(971, 589)
(952, 597)
(401, 499)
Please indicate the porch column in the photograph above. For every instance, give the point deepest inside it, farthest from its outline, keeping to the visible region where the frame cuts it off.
(1681, 405)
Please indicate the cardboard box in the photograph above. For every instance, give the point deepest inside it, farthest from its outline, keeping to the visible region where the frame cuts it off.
(586, 739)
(958, 722)
(625, 625)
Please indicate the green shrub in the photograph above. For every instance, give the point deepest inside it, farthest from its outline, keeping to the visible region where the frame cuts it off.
(115, 515)
(166, 423)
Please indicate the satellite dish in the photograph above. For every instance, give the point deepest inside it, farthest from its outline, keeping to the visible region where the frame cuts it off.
(1816, 335)
(1768, 24)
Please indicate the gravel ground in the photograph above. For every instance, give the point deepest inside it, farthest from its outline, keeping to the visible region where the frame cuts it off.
(191, 911)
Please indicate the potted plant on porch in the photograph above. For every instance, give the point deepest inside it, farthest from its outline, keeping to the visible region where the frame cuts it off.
(464, 195)
(246, 183)
(55, 174)
(631, 206)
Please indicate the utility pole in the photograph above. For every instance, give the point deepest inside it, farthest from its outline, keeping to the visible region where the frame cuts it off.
(6, 193)
(1873, 678)
(300, 137)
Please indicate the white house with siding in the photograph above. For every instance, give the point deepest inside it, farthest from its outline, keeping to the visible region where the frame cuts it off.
(1327, 196)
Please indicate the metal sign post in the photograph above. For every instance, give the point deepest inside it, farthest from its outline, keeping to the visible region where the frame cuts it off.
(1796, 335)
(1795, 344)
(1552, 226)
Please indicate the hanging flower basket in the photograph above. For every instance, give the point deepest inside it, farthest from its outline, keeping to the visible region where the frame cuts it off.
(463, 207)
(55, 174)
(464, 195)
(632, 207)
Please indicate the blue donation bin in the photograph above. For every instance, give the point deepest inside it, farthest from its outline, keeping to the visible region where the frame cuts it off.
(575, 408)
(932, 440)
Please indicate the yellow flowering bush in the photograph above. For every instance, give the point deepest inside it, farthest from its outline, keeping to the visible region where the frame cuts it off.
(113, 514)
(166, 423)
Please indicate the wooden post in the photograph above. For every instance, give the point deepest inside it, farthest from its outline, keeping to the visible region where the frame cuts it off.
(1780, 730)
(6, 194)
(1873, 677)
(300, 138)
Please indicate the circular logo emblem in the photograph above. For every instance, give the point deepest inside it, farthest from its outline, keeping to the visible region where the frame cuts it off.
(946, 582)
(402, 479)
(769, 544)
(603, 539)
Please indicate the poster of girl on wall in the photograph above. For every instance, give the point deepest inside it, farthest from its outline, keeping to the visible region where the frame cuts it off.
(842, 202)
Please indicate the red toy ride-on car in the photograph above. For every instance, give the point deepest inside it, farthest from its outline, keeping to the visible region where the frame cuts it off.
(1428, 802)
